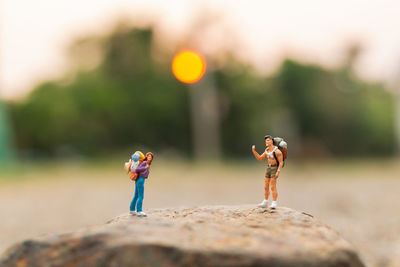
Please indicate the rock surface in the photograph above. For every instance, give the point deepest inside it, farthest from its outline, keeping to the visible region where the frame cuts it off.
(203, 236)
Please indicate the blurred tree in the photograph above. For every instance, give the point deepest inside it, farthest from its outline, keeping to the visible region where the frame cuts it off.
(118, 96)
(125, 100)
(6, 144)
(247, 104)
(348, 121)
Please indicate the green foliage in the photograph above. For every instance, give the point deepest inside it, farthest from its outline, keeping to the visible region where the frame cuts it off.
(349, 116)
(248, 103)
(6, 142)
(130, 100)
(125, 101)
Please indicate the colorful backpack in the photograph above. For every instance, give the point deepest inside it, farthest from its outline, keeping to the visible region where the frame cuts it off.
(133, 175)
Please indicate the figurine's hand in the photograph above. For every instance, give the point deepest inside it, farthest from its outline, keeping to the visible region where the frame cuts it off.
(253, 147)
(277, 175)
(148, 166)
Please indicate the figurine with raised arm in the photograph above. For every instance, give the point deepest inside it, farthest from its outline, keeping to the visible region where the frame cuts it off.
(275, 162)
(142, 170)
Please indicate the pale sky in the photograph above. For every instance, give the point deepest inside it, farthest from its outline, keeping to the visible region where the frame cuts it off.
(34, 34)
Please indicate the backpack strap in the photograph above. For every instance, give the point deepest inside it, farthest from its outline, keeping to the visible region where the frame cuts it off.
(276, 158)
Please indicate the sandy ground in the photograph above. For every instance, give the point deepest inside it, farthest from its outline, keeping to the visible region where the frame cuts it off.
(360, 200)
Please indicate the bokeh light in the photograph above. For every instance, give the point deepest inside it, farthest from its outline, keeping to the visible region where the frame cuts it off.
(188, 66)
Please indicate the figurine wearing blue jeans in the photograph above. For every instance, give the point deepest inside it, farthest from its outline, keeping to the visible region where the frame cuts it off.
(143, 173)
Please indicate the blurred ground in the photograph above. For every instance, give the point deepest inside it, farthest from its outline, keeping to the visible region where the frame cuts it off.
(361, 200)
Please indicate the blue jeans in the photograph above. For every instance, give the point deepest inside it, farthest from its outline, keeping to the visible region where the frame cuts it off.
(137, 200)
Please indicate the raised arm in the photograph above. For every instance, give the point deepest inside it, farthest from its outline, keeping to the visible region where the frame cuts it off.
(258, 156)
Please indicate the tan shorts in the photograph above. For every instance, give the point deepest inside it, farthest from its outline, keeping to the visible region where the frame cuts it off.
(271, 171)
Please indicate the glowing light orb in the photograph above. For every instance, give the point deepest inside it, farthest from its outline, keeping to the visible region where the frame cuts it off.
(188, 66)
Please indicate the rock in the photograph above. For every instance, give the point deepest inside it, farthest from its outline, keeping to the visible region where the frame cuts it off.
(203, 236)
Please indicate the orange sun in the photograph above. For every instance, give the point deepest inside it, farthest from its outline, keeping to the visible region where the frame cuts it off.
(188, 66)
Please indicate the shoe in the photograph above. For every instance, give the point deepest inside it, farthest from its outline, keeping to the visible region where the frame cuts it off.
(141, 214)
(133, 213)
(274, 204)
(263, 204)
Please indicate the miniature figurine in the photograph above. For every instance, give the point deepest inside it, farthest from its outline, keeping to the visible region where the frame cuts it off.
(276, 153)
(142, 171)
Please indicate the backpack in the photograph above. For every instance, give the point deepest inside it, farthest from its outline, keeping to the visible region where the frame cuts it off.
(282, 146)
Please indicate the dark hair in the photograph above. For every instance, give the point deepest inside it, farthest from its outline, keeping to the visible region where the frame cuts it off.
(268, 137)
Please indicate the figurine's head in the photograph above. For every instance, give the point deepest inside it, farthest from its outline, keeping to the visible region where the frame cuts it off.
(269, 140)
(149, 157)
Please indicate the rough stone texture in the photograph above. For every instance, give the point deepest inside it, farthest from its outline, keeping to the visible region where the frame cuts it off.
(204, 236)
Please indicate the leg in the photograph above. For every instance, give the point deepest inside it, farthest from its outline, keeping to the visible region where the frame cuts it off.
(266, 188)
(273, 189)
(264, 203)
(140, 185)
(135, 198)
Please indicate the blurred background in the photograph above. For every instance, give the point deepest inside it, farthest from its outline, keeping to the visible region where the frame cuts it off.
(85, 84)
